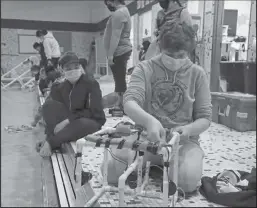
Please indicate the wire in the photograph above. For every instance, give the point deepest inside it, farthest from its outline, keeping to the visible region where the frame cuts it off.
(114, 157)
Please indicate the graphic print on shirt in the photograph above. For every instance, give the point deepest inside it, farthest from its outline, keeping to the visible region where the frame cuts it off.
(167, 100)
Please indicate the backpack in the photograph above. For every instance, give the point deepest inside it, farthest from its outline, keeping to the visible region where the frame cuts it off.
(244, 198)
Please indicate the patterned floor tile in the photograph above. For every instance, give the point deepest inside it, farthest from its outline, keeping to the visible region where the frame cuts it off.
(223, 147)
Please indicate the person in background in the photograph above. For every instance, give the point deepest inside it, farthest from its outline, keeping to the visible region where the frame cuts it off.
(45, 76)
(51, 47)
(74, 108)
(46, 81)
(144, 49)
(172, 10)
(35, 72)
(169, 92)
(40, 48)
(117, 45)
(141, 56)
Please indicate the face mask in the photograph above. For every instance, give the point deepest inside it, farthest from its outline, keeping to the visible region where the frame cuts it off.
(73, 75)
(164, 4)
(171, 63)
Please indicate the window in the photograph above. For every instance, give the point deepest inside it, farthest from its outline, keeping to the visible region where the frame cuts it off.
(26, 44)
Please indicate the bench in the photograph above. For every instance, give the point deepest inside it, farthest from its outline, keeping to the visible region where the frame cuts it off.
(61, 167)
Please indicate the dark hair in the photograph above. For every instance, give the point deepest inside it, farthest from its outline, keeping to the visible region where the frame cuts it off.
(83, 63)
(120, 1)
(49, 69)
(176, 36)
(40, 33)
(44, 31)
(35, 68)
(146, 44)
(36, 44)
(69, 59)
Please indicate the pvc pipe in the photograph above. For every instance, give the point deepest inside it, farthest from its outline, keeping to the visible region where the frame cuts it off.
(175, 171)
(122, 180)
(165, 187)
(20, 64)
(79, 145)
(139, 174)
(78, 172)
(146, 178)
(17, 79)
(105, 172)
(95, 198)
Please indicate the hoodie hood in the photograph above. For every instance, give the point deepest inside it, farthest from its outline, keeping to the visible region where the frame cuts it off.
(51, 46)
(49, 35)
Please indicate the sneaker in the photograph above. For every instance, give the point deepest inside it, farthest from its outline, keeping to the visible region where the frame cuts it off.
(46, 150)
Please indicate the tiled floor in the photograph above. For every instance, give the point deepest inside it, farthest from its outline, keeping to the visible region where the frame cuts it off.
(224, 148)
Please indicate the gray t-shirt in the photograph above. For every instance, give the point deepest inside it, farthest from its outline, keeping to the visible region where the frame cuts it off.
(120, 18)
(176, 95)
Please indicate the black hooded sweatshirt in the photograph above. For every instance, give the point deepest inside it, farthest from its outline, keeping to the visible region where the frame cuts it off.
(83, 99)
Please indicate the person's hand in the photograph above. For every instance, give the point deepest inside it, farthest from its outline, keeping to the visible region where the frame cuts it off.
(60, 126)
(155, 131)
(49, 63)
(184, 131)
(110, 60)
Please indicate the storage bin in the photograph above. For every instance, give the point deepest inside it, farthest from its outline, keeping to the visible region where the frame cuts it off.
(240, 76)
(250, 78)
(234, 110)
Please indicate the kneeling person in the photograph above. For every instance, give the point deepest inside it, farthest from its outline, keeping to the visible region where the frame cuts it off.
(74, 108)
(169, 91)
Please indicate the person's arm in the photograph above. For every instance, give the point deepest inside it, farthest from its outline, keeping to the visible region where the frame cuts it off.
(106, 36)
(202, 107)
(95, 102)
(47, 49)
(118, 20)
(134, 99)
(186, 17)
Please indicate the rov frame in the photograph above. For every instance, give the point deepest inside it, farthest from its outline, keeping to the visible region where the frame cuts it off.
(168, 152)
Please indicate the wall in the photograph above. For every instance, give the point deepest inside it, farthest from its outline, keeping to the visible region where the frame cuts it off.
(10, 56)
(251, 56)
(59, 11)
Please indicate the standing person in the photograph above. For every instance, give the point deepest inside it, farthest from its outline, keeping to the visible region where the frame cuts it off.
(74, 108)
(40, 49)
(172, 10)
(51, 47)
(117, 45)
